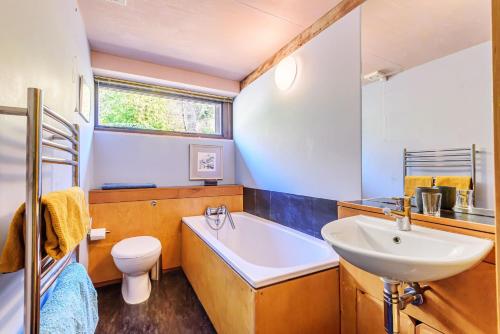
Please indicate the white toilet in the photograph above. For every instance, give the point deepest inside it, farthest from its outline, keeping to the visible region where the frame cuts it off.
(134, 257)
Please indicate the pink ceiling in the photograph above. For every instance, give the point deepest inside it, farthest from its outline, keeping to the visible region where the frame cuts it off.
(225, 38)
(400, 34)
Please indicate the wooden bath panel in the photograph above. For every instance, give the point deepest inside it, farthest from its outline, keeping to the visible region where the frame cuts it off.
(308, 304)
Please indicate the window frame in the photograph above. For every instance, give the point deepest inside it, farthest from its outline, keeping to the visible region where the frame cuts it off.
(226, 121)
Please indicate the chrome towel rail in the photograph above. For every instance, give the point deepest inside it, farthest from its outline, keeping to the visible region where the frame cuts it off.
(61, 147)
(463, 158)
(56, 131)
(14, 111)
(40, 274)
(55, 116)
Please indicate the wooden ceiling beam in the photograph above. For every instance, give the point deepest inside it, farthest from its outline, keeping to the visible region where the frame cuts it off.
(332, 16)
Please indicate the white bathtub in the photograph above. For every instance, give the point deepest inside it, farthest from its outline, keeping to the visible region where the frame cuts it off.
(264, 252)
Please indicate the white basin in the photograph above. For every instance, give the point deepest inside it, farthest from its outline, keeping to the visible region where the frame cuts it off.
(422, 254)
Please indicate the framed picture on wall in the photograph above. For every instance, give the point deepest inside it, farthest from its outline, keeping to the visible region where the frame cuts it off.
(205, 162)
(84, 99)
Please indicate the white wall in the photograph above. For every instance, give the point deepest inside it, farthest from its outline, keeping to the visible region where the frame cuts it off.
(44, 46)
(306, 140)
(163, 160)
(444, 103)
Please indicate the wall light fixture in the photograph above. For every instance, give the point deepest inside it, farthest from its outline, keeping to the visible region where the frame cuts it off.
(285, 73)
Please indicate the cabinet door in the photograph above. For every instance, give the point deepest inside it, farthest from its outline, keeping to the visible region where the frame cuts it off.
(122, 220)
(370, 316)
(424, 329)
(453, 305)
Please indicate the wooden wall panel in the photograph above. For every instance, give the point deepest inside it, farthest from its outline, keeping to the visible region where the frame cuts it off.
(147, 194)
(496, 131)
(121, 219)
(157, 218)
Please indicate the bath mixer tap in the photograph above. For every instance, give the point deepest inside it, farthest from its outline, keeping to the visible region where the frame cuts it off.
(403, 215)
(218, 211)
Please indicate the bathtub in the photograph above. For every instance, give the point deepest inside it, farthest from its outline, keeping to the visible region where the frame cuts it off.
(263, 252)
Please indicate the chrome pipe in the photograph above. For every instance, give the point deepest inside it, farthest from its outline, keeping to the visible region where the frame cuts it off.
(13, 111)
(33, 211)
(53, 277)
(60, 119)
(58, 146)
(440, 160)
(441, 150)
(47, 264)
(473, 172)
(55, 137)
(59, 161)
(436, 155)
(437, 166)
(76, 158)
(58, 132)
(391, 307)
(405, 172)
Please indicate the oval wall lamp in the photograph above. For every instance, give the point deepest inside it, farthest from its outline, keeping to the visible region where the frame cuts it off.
(285, 73)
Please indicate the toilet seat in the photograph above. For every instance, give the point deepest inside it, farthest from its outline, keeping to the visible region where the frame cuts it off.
(136, 247)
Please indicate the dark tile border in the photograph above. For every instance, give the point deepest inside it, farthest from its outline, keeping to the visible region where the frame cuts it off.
(303, 213)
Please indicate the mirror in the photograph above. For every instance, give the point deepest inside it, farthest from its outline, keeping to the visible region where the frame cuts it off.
(426, 86)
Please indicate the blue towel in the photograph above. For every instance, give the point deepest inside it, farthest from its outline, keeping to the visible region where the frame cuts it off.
(114, 186)
(72, 307)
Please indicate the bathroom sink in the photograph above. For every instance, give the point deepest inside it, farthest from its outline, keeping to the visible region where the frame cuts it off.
(420, 255)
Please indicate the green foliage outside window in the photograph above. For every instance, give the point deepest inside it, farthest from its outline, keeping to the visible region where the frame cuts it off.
(138, 110)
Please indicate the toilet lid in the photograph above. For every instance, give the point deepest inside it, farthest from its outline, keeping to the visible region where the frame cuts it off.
(135, 247)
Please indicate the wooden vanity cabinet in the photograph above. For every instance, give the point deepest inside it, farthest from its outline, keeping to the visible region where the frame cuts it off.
(463, 304)
(424, 329)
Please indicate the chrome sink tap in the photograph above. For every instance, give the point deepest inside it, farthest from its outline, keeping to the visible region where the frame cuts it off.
(403, 215)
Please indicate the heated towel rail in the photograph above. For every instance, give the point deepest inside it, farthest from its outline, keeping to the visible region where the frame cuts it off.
(442, 159)
(40, 274)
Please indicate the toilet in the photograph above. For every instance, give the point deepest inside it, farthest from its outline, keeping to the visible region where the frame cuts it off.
(134, 257)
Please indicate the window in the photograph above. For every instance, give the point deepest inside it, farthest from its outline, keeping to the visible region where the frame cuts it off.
(135, 107)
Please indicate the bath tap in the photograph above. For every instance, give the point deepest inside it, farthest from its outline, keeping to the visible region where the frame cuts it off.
(220, 210)
(403, 215)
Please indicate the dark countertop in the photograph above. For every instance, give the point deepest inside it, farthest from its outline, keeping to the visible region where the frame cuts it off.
(479, 218)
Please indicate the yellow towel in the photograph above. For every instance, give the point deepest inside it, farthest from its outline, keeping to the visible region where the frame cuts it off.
(412, 182)
(66, 222)
(459, 182)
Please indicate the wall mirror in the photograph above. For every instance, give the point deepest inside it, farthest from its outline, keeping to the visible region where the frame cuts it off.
(426, 86)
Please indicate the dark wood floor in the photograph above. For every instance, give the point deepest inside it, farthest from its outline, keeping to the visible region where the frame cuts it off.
(172, 308)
